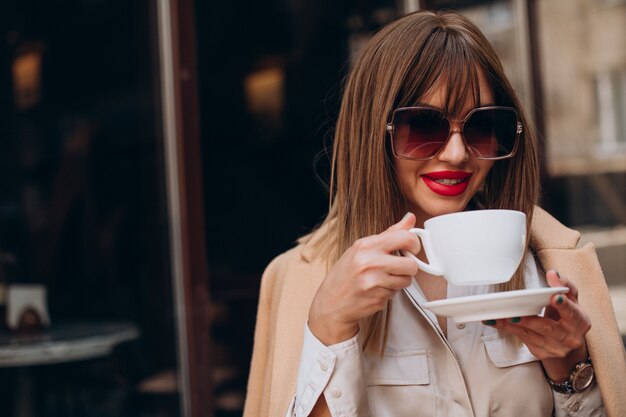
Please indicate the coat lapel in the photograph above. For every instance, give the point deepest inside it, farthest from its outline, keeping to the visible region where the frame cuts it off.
(555, 246)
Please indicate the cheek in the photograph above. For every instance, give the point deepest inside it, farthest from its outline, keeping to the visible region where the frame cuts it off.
(484, 167)
(407, 172)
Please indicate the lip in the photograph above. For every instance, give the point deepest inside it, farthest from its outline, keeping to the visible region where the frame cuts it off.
(443, 189)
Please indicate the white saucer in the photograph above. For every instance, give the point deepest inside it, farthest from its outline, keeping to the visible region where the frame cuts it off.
(493, 306)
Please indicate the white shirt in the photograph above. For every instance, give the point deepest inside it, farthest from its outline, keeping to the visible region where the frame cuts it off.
(471, 372)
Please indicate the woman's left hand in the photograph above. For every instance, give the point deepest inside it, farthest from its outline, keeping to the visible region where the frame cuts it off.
(558, 338)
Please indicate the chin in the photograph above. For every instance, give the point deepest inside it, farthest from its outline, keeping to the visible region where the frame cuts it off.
(430, 209)
(447, 210)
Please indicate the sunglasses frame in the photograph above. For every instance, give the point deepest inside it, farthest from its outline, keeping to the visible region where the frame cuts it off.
(519, 128)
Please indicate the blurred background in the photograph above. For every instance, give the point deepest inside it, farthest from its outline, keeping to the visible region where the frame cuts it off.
(155, 155)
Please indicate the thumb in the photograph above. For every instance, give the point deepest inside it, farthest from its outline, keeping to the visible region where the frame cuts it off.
(407, 222)
(553, 279)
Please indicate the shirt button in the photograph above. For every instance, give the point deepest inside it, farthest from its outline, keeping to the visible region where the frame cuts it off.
(460, 326)
(323, 366)
(575, 406)
(336, 393)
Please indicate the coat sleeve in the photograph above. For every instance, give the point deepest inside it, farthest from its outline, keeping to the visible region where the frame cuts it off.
(259, 378)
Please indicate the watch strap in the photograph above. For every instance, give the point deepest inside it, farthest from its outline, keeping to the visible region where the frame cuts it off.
(562, 387)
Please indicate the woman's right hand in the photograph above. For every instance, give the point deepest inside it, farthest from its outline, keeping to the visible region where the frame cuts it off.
(364, 278)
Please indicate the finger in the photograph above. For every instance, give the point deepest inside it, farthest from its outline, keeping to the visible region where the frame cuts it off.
(554, 279)
(572, 294)
(399, 265)
(547, 328)
(560, 337)
(378, 297)
(528, 335)
(407, 222)
(571, 314)
(538, 345)
(398, 240)
(396, 282)
(386, 281)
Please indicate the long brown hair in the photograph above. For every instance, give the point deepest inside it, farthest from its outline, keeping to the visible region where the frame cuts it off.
(398, 66)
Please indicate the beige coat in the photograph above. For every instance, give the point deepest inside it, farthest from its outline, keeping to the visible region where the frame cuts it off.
(291, 280)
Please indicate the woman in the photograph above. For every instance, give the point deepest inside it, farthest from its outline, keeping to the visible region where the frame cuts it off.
(340, 330)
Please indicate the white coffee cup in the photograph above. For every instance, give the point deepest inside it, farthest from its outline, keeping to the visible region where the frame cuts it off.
(473, 247)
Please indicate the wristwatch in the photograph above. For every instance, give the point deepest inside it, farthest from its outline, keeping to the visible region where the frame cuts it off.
(579, 380)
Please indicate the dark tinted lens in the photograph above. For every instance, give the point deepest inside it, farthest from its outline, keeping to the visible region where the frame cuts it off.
(419, 133)
(491, 133)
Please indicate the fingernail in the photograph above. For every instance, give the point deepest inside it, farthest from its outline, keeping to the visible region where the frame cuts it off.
(559, 299)
(406, 215)
(558, 275)
(489, 322)
(515, 320)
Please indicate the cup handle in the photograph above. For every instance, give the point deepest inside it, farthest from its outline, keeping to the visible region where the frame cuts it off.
(433, 267)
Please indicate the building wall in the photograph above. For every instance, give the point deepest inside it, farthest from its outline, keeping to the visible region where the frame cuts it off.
(580, 40)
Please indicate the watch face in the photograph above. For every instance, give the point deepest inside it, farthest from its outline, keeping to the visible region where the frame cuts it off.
(583, 378)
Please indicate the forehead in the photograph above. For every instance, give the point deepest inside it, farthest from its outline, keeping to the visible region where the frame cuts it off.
(442, 93)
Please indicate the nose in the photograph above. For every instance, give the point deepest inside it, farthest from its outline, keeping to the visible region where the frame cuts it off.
(455, 152)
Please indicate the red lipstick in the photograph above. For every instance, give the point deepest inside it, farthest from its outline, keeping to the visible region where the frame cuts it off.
(447, 183)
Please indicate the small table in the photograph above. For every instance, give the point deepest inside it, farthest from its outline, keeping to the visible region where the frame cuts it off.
(64, 342)
(61, 343)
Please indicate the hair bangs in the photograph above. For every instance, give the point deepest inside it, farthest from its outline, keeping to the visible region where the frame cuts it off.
(460, 76)
(445, 60)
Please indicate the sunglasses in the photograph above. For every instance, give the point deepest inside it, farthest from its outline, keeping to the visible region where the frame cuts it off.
(420, 133)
